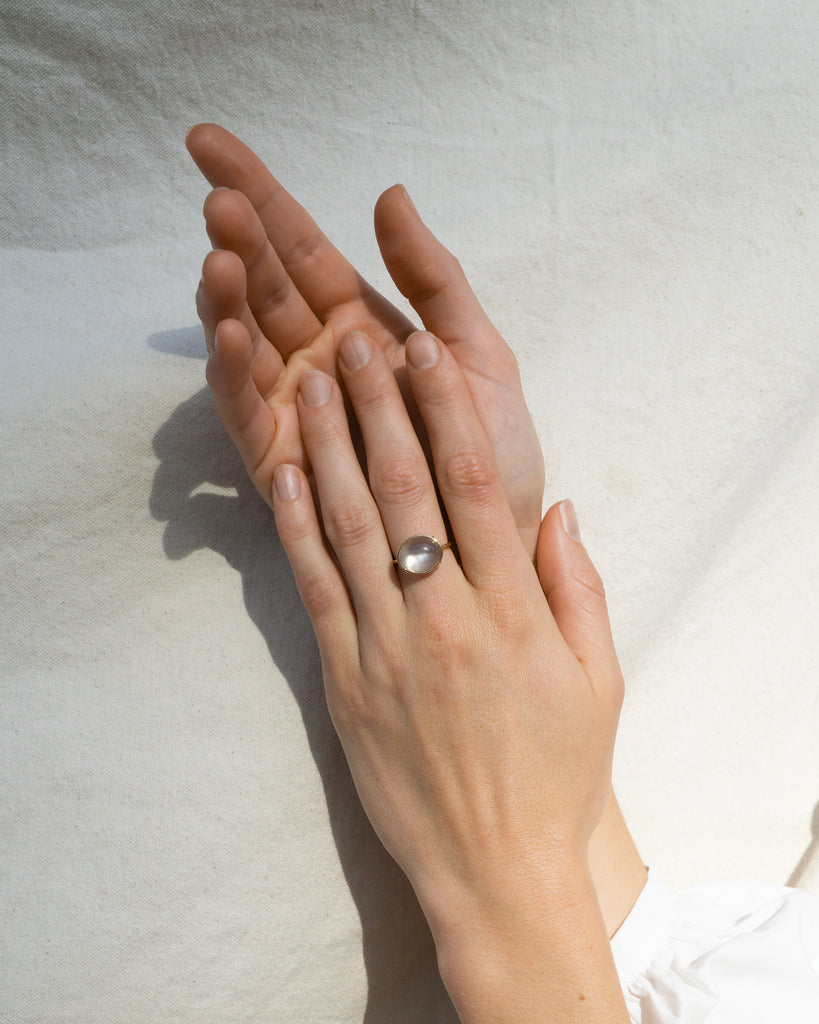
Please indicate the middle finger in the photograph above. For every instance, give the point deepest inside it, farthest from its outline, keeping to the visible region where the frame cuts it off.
(397, 468)
(366, 523)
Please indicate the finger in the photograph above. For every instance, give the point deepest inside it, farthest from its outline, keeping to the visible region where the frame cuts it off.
(222, 296)
(326, 280)
(283, 316)
(433, 281)
(397, 469)
(576, 596)
(317, 577)
(431, 278)
(349, 513)
(482, 523)
(264, 435)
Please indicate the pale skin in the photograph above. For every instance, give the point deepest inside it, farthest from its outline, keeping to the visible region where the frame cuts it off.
(281, 301)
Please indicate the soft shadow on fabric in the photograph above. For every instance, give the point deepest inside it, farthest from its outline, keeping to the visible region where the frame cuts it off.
(203, 495)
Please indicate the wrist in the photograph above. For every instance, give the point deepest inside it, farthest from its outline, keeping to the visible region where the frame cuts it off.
(531, 948)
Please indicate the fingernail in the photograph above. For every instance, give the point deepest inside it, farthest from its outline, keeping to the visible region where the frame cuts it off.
(408, 198)
(422, 350)
(314, 388)
(286, 482)
(355, 350)
(216, 337)
(568, 518)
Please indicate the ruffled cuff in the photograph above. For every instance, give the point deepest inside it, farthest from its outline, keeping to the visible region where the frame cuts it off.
(726, 953)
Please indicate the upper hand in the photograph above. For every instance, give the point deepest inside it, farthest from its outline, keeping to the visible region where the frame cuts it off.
(479, 743)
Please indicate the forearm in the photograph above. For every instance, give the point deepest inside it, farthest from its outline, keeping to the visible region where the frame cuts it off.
(526, 953)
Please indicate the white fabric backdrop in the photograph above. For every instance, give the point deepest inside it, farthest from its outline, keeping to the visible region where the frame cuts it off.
(633, 191)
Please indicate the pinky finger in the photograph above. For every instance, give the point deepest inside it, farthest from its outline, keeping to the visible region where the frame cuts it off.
(318, 578)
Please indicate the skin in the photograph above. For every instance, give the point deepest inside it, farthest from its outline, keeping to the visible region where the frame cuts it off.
(277, 300)
(285, 296)
(479, 743)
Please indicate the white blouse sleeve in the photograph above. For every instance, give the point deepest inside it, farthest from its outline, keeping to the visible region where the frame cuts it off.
(725, 953)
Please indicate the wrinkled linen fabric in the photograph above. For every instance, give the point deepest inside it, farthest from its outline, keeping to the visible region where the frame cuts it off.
(724, 953)
(632, 190)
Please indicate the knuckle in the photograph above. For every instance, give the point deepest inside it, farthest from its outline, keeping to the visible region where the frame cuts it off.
(398, 480)
(321, 595)
(303, 249)
(590, 583)
(436, 279)
(347, 703)
(380, 394)
(272, 296)
(437, 621)
(348, 524)
(513, 613)
(470, 473)
(446, 634)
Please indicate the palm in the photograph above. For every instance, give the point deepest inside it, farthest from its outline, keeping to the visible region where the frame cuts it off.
(284, 297)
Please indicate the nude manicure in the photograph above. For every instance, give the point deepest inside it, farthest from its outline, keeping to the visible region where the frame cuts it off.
(355, 350)
(568, 518)
(422, 350)
(286, 482)
(314, 388)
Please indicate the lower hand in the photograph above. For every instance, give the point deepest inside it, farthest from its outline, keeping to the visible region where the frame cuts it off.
(279, 297)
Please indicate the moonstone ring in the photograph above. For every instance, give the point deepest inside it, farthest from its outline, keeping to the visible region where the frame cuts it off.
(420, 554)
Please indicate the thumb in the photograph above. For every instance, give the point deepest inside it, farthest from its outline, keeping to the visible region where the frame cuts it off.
(576, 594)
(429, 276)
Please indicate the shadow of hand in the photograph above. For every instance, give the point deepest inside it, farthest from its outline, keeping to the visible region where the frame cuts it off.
(202, 493)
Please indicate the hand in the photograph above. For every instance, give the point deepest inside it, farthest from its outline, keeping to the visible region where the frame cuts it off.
(279, 297)
(479, 743)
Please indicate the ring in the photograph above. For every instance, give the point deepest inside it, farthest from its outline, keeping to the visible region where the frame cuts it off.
(420, 554)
